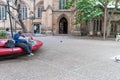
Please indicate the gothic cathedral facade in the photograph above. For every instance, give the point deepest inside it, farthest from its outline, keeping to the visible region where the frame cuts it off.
(49, 16)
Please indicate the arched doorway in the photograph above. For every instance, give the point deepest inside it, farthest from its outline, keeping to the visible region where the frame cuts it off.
(63, 26)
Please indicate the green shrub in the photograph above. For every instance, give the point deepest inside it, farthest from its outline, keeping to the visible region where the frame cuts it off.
(2, 28)
(2, 34)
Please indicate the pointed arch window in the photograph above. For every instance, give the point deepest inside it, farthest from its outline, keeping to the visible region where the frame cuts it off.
(62, 4)
(2, 12)
(39, 12)
(24, 13)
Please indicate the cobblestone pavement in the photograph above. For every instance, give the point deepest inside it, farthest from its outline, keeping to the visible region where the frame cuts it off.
(65, 58)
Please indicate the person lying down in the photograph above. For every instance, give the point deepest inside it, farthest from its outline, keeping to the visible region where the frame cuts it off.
(29, 40)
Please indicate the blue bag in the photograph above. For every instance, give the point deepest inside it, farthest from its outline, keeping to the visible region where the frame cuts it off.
(10, 44)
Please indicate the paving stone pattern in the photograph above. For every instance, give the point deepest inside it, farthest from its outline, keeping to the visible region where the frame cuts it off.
(65, 58)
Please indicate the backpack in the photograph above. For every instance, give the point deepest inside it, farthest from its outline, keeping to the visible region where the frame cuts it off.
(10, 44)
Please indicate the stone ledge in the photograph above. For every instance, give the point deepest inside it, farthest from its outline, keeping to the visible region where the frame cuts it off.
(76, 33)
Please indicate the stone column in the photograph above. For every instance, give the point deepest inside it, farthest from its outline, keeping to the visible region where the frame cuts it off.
(49, 26)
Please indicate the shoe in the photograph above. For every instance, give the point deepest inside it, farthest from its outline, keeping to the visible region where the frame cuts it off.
(31, 54)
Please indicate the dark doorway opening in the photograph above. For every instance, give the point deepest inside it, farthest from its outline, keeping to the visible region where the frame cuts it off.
(63, 26)
(36, 28)
(97, 27)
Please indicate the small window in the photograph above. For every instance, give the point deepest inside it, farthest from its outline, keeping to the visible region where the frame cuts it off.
(62, 4)
(2, 12)
(24, 13)
(11, 0)
(39, 12)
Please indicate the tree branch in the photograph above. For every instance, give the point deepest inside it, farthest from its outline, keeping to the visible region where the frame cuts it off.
(13, 7)
(14, 17)
(2, 4)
